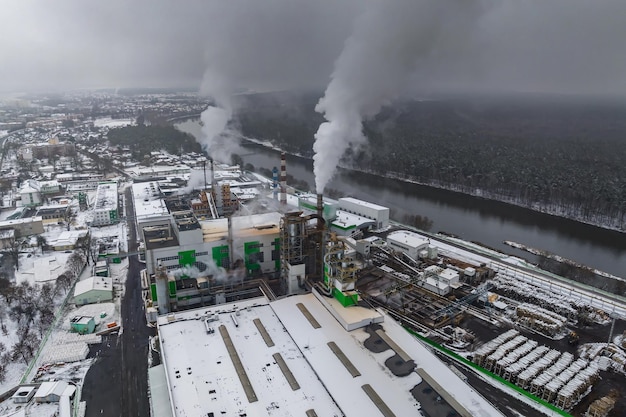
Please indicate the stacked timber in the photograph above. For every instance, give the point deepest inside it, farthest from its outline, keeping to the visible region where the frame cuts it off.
(488, 348)
(540, 319)
(512, 371)
(502, 351)
(525, 378)
(578, 387)
(538, 384)
(552, 388)
(514, 356)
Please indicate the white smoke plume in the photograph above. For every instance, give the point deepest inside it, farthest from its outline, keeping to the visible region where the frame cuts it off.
(217, 139)
(384, 50)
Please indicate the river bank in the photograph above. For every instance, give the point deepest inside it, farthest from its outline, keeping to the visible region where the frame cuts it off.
(473, 218)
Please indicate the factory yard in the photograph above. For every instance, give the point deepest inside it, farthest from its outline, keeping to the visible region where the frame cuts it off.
(505, 325)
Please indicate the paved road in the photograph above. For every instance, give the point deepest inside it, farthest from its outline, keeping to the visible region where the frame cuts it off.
(117, 384)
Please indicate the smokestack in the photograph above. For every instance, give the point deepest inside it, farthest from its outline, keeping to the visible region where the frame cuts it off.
(204, 169)
(283, 178)
(320, 206)
(275, 183)
(213, 177)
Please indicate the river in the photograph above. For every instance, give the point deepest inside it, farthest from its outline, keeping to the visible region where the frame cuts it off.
(471, 218)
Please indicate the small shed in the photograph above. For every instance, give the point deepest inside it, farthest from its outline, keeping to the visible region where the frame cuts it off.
(83, 324)
(93, 290)
(50, 391)
(24, 394)
(101, 269)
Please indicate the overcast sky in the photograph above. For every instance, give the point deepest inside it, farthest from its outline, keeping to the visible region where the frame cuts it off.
(574, 46)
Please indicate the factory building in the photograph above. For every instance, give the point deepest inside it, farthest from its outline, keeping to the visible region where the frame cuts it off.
(407, 242)
(105, 211)
(188, 249)
(350, 216)
(304, 355)
(93, 290)
(379, 214)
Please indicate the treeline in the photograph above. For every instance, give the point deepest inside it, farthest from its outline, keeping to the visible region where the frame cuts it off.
(557, 155)
(141, 140)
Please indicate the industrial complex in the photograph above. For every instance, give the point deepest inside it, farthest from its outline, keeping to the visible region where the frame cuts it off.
(275, 303)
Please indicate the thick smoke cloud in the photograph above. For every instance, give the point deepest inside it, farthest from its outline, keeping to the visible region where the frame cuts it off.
(563, 46)
(388, 42)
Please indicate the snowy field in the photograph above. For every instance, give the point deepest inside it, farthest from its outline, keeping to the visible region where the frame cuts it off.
(110, 123)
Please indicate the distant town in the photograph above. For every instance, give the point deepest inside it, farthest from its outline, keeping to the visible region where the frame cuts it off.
(139, 276)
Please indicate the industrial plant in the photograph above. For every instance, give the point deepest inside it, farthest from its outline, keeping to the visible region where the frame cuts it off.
(239, 257)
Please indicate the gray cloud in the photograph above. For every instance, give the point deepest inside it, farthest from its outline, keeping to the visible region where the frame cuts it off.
(531, 45)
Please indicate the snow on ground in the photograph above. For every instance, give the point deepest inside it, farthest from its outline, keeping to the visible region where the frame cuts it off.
(506, 266)
(110, 123)
(33, 409)
(66, 346)
(61, 344)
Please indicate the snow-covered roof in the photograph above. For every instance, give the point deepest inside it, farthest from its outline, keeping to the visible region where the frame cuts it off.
(406, 237)
(147, 200)
(106, 196)
(291, 361)
(93, 283)
(68, 238)
(362, 203)
(345, 220)
(51, 388)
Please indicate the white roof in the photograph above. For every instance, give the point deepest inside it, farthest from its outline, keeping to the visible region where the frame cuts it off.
(51, 388)
(203, 379)
(93, 283)
(345, 219)
(148, 201)
(68, 237)
(362, 203)
(449, 274)
(106, 196)
(409, 238)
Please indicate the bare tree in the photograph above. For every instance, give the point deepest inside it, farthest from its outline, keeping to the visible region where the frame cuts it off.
(13, 249)
(6, 289)
(83, 246)
(42, 243)
(63, 283)
(26, 346)
(45, 319)
(69, 216)
(46, 294)
(4, 361)
(3, 315)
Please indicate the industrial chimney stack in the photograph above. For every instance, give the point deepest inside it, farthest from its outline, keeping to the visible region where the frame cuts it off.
(283, 178)
(320, 205)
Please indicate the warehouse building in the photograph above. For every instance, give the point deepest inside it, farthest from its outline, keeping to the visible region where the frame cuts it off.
(379, 214)
(295, 356)
(93, 290)
(407, 242)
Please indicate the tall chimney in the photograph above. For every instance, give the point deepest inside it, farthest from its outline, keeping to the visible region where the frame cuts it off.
(283, 178)
(320, 205)
(213, 175)
(275, 183)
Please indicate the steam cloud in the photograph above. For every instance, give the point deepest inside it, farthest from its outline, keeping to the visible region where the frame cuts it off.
(217, 138)
(378, 59)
